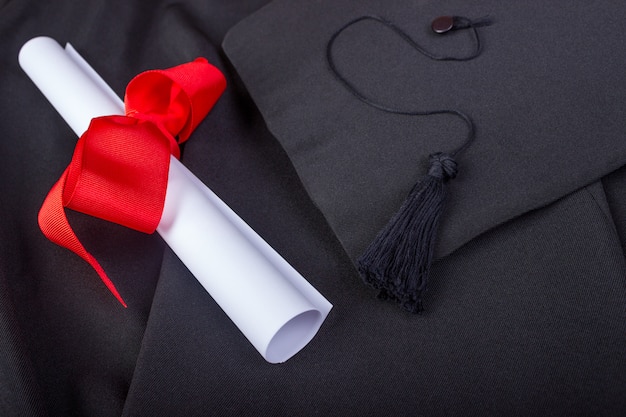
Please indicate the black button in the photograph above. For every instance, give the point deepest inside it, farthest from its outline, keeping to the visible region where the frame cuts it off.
(442, 24)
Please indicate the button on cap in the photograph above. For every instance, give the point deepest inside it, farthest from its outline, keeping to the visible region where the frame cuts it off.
(442, 24)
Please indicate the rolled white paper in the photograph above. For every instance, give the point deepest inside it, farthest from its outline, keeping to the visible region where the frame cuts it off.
(277, 310)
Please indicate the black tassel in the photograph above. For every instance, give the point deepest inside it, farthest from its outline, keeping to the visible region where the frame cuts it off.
(398, 261)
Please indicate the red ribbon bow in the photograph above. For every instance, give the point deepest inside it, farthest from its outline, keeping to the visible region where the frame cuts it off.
(120, 165)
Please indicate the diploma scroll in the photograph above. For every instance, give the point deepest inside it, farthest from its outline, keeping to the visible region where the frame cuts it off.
(269, 301)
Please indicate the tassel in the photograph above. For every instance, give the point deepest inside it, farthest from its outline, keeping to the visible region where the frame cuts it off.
(398, 261)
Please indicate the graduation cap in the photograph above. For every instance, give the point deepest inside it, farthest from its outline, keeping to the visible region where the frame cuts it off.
(339, 86)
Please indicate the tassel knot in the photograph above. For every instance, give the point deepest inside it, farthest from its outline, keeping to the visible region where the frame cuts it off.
(442, 166)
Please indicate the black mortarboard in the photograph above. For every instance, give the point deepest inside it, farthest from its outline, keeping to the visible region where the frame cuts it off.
(542, 98)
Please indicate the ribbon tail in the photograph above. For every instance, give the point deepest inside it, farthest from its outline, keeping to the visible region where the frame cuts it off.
(55, 226)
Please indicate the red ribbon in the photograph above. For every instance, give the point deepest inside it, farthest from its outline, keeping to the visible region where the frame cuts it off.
(120, 165)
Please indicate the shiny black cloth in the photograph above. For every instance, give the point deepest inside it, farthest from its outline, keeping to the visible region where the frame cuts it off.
(525, 314)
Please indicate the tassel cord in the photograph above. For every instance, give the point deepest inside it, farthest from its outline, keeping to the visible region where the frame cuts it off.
(459, 23)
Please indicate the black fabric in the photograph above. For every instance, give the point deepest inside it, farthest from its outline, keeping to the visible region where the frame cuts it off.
(525, 319)
(616, 196)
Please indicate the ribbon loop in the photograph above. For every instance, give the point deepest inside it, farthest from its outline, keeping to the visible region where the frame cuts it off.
(119, 170)
(173, 98)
